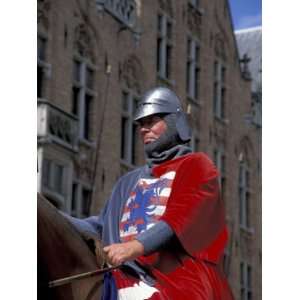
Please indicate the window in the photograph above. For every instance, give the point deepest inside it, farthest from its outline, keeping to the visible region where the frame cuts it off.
(83, 95)
(246, 281)
(42, 66)
(219, 158)
(129, 128)
(81, 200)
(85, 202)
(192, 68)
(164, 46)
(219, 92)
(53, 176)
(74, 201)
(244, 195)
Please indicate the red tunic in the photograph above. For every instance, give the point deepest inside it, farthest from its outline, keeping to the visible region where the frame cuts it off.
(190, 269)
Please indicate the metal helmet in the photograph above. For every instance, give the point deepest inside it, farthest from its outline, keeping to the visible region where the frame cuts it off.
(162, 100)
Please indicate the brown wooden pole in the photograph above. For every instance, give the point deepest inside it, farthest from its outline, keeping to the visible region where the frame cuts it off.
(69, 279)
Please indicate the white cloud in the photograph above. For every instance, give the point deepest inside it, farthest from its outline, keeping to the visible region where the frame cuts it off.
(249, 21)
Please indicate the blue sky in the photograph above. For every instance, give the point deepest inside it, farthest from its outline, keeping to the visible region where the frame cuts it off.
(245, 13)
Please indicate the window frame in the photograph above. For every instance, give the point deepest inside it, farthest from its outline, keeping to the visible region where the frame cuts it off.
(78, 198)
(219, 89)
(193, 68)
(220, 161)
(43, 65)
(244, 201)
(129, 154)
(163, 60)
(246, 281)
(61, 197)
(84, 91)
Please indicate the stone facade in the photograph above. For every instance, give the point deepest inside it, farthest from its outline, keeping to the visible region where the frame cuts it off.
(91, 54)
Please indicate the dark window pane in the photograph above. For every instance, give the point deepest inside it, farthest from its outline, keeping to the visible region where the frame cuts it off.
(197, 82)
(215, 103)
(249, 271)
(241, 174)
(159, 23)
(40, 81)
(216, 70)
(41, 48)
(125, 102)
(223, 187)
(223, 164)
(189, 48)
(223, 95)
(247, 209)
(197, 144)
(197, 54)
(169, 30)
(168, 62)
(76, 70)
(247, 178)
(216, 158)
(85, 202)
(124, 138)
(188, 67)
(58, 178)
(223, 74)
(243, 294)
(135, 105)
(87, 117)
(46, 173)
(158, 57)
(75, 100)
(241, 274)
(134, 143)
(89, 78)
(74, 199)
(241, 202)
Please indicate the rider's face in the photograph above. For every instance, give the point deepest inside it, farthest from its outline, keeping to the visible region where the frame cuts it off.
(151, 128)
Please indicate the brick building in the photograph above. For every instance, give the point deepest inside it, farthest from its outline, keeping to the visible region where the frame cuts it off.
(97, 57)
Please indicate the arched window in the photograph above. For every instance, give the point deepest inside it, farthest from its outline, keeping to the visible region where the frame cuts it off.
(132, 77)
(220, 160)
(165, 32)
(193, 68)
(220, 78)
(219, 89)
(43, 67)
(244, 195)
(83, 88)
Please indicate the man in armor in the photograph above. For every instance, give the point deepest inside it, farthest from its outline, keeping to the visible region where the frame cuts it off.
(164, 224)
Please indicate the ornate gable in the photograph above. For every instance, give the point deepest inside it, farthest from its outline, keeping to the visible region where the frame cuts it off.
(83, 42)
(194, 21)
(131, 72)
(166, 5)
(43, 8)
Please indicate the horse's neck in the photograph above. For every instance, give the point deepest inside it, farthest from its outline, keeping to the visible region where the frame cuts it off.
(62, 252)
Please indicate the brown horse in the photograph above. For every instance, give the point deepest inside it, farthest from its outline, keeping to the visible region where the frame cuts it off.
(63, 252)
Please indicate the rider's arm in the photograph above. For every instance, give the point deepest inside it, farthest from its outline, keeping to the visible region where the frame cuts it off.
(155, 237)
